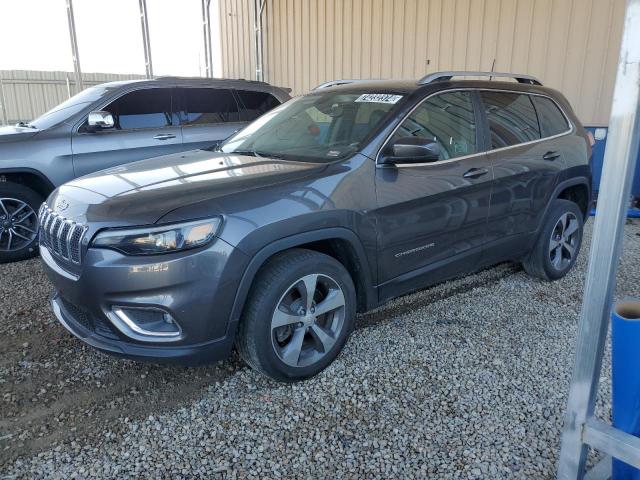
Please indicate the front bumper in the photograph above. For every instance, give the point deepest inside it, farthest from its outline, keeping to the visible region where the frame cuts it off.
(197, 288)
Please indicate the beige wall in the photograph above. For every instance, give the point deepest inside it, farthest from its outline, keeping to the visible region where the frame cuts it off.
(571, 45)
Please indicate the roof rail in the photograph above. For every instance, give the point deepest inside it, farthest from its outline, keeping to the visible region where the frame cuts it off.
(176, 77)
(445, 76)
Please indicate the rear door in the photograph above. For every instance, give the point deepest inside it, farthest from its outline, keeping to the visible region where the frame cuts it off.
(145, 126)
(527, 167)
(209, 116)
(431, 218)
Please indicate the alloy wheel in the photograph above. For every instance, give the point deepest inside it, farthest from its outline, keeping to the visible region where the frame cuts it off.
(308, 320)
(18, 224)
(564, 241)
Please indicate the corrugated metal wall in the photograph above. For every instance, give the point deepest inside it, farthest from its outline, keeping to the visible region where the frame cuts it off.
(571, 45)
(26, 94)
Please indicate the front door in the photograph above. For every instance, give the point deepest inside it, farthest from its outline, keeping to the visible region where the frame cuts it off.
(145, 126)
(431, 218)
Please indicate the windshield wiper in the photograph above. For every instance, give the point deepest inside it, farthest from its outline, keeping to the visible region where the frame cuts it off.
(25, 124)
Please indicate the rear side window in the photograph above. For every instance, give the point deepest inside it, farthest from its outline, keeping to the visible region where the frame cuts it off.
(512, 118)
(552, 121)
(148, 108)
(447, 119)
(254, 104)
(209, 105)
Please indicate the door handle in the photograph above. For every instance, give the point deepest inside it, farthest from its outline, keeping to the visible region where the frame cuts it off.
(475, 173)
(550, 156)
(164, 136)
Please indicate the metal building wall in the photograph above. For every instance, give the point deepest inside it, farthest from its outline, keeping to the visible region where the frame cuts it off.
(571, 45)
(26, 94)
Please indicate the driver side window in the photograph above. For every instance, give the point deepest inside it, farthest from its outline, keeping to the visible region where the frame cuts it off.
(448, 120)
(146, 108)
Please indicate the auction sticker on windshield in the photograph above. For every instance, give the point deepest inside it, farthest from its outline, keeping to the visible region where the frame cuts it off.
(378, 98)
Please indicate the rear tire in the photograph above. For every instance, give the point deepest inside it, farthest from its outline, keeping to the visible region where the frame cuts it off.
(558, 244)
(284, 332)
(18, 222)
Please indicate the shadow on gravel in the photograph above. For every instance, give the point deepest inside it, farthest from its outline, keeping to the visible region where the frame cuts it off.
(56, 389)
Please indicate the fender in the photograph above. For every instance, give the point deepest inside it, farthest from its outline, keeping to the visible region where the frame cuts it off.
(565, 184)
(293, 241)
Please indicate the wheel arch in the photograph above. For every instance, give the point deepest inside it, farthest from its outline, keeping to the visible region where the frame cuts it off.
(28, 177)
(562, 189)
(339, 243)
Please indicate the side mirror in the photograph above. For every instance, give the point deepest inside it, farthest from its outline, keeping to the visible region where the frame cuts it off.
(100, 119)
(412, 150)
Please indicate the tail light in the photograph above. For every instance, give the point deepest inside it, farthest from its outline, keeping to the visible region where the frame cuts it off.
(592, 140)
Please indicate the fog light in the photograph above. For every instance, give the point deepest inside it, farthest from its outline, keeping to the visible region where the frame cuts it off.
(146, 324)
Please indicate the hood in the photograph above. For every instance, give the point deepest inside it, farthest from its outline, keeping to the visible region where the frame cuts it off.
(141, 193)
(13, 134)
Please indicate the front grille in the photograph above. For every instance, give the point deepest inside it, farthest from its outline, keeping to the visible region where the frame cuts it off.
(79, 315)
(61, 236)
(87, 320)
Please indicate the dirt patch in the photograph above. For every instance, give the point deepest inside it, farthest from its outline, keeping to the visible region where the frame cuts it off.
(49, 380)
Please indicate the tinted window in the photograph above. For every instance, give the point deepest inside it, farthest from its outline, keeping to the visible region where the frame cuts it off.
(149, 108)
(512, 118)
(551, 118)
(210, 105)
(254, 104)
(447, 119)
(322, 126)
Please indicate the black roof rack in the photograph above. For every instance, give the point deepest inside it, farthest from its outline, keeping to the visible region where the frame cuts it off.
(174, 77)
(445, 76)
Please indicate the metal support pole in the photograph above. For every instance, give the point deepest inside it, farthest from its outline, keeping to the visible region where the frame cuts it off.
(619, 165)
(74, 46)
(146, 42)
(3, 103)
(206, 31)
(258, 8)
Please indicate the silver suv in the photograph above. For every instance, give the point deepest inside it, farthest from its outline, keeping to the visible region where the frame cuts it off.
(110, 125)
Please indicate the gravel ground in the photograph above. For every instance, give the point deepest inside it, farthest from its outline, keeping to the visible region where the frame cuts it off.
(464, 380)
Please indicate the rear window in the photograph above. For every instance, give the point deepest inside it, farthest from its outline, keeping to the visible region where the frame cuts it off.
(552, 121)
(209, 105)
(512, 118)
(254, 104)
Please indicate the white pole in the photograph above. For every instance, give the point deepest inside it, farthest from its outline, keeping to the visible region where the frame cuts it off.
(146, 42)
(74, 46)
(619, 166)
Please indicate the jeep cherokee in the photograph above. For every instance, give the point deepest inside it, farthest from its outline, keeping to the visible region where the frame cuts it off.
(328, 205)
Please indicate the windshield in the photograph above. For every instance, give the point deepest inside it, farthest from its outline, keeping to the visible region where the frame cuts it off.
(316, 127)
(68, 108)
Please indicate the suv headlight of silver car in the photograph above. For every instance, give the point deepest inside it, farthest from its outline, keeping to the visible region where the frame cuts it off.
(161, 239)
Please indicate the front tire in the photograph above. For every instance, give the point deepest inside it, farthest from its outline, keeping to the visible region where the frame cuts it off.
(558, 245)
(18, 222)
(298, 317)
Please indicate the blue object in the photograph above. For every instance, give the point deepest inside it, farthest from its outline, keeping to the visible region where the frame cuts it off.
(625, 366)
(598, 159)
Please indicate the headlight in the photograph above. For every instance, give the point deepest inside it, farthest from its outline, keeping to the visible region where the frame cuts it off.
(162, 239)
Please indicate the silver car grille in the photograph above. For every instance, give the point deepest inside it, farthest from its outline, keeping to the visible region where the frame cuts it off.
(62, 237)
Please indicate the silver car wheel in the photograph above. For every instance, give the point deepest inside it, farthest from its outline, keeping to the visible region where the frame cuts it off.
(564, 240)
(308, 320)
(18, 224)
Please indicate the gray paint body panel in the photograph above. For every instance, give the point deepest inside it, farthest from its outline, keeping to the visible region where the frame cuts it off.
(408, 227)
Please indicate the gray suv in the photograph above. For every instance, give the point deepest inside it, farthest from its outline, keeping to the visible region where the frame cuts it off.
(328, 205)
(109, 125)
